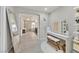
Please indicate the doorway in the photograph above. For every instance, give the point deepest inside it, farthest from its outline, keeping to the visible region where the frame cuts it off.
(29, 32)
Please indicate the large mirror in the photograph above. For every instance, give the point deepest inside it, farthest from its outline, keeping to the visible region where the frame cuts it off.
(13, 30)
(12, 23)
(59, 26)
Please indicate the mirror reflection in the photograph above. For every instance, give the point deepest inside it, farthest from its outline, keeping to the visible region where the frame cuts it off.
(59, 26)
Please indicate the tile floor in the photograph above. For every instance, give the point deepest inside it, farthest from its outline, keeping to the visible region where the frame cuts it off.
(29, 44)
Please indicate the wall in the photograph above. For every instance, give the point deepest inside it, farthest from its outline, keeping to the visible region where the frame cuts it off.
(43, 24)
(5, 40)
(3, 30)
(0, 28)
(61, 14)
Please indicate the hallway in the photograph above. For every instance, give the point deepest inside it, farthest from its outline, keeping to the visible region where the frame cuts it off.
(28, 43)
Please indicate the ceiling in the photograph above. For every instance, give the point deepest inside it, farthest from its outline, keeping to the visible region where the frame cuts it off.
(41, 8)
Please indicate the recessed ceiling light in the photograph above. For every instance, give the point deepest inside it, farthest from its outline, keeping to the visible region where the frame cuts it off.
(45, 9)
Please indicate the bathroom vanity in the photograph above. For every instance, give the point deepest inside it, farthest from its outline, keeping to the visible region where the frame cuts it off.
(57, 41)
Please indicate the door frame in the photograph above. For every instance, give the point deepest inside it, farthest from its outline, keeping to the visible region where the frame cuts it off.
(38, 34)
